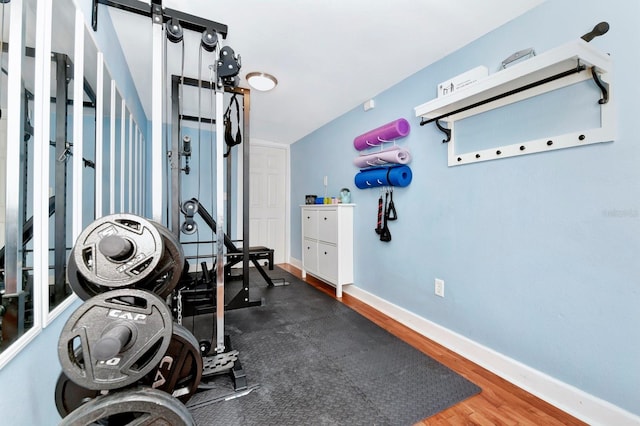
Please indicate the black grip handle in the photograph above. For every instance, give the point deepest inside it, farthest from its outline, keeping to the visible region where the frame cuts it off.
(115, 247)
(112, 342)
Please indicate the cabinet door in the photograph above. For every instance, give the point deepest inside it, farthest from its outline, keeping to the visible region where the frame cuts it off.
(328, 261)
(310, 255)
(310, 224)
(328, 226)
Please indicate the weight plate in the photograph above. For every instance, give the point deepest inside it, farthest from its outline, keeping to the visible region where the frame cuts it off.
(180, 370)
(81, 287)
(178, 373)
(144, 314)
(118, 251)
(169, 270)
(133, 406)
(70, 395)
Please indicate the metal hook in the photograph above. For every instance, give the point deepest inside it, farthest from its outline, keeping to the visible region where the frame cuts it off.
(603, 89)
(444, 130)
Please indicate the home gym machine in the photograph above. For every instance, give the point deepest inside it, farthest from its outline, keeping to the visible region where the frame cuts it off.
(124, 353)
(183, 214)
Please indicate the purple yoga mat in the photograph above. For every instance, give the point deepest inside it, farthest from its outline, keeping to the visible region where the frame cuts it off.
(390, 131)
(396, 156)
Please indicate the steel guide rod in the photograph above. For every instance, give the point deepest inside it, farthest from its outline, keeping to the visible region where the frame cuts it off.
(220, 216)
(246, 151)
(156, 120)
(175, 159)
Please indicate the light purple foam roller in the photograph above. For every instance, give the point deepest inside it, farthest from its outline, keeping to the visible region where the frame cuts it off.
(390, 131)
(396, 156)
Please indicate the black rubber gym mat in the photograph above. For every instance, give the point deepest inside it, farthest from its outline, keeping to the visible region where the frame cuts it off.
(310, 360)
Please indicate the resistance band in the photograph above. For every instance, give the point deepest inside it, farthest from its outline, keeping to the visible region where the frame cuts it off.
(392, 214)
(385, 234)
(379, 223)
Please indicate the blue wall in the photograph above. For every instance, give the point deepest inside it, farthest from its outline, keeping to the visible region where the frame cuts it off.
(29, 380)
(538, 252)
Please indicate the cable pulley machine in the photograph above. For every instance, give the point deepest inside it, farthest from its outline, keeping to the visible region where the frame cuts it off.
(121, 350)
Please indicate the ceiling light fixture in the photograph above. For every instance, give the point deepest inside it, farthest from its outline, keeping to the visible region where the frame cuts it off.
(261, 81)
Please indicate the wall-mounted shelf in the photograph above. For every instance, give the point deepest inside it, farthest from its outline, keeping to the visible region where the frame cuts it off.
(560, 67)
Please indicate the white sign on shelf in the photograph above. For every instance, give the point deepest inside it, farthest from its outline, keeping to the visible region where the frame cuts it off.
(463, 80)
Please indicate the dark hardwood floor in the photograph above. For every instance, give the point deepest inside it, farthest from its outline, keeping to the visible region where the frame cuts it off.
(499, 403)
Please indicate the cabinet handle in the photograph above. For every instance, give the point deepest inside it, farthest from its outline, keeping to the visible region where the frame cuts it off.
(308, 217)
(325, 252)
(325, 218)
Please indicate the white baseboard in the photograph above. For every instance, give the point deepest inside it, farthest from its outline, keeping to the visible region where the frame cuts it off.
(570, 399)
(295, 262)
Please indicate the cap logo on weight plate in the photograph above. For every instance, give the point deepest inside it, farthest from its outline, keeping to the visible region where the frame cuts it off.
(117, 313)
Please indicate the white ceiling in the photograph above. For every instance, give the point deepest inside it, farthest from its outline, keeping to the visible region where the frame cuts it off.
(328, 56)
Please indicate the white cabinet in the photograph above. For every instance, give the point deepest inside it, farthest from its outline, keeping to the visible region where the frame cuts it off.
(327, 243)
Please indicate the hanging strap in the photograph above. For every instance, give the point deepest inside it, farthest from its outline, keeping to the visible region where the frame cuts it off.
(385, 234)
(379, 225)
(392, 214)
(228, 136)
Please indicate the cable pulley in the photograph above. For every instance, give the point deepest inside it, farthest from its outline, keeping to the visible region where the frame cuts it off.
(174, 30)
(209, 40)
(229, 64)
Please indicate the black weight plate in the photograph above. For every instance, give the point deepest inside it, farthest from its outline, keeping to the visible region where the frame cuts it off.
(81, 287)
(178, 373)
(170, 267)
(106, 272)
(70, 396)
(151, 325)
(131, 407)
(180, 370)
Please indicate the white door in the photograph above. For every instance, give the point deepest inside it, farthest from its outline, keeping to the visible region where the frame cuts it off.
(268, 189)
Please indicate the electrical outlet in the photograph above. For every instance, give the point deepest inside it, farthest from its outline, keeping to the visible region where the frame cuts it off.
(439, 287)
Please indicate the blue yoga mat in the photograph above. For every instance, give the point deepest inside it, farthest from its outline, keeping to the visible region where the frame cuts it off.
(383, 176)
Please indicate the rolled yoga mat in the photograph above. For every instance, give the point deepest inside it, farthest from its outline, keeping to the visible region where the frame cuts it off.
(390, 131)
(383, 176)
(396, 156)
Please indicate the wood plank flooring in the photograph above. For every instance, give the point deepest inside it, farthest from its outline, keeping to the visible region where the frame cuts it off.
(499, 403)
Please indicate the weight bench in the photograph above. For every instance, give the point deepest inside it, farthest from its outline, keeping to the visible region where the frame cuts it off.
(235, 254)
(256, 254)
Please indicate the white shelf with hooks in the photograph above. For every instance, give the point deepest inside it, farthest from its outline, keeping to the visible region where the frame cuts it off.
(565, 65)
